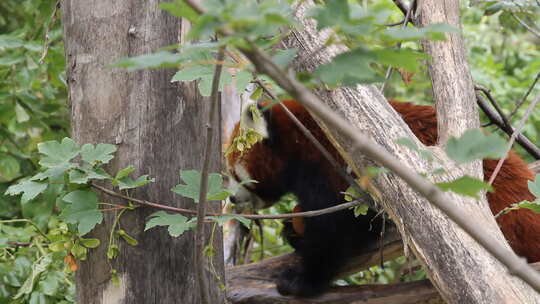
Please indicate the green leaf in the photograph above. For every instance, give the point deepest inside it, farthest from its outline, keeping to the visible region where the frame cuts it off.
(124, 172)
(37, 297)
(79, 251)
(179, 9)
(401, 58)
(38, 267)
(336, 12)
(348, 69)
(242, 78)
(465, 185)
(57, 246)
(160, 59)
(112, 251)
(90, 243)
(221, 219)
(129, 183)
(82, 210)
(361, 210)
(192, 186)
(284, 57)
(206, 74)
(52, 282)
(101, 153)
(56, 153)
(29, 189)
(407, 142)
(177, 223)
(9, 168)
(473, 144)
(534, 186)
(533, 206)
(129, 239)
(10, 42)
(78, 176)
(21, 114)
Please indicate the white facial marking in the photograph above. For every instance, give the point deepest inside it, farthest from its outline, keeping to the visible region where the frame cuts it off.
(258, 124)
(242, 194)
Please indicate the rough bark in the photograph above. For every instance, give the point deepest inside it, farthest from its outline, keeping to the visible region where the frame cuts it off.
(453, 89)
(158, 127)
(459, 267)
(253, 284)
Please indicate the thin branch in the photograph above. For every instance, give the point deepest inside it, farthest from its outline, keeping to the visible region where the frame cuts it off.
(402, 6)
(513, 137)
(405, 22)
(47, 30)
(20, 244)
(201, 207)
(531, 148)
(312, 213)
(525, 25)
(531, 87)
(264, 64)
(493, 103)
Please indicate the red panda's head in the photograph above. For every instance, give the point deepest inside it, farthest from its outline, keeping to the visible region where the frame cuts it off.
(282, 151)
(242, 165)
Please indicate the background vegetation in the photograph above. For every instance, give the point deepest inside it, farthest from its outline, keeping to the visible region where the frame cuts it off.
(504, 57)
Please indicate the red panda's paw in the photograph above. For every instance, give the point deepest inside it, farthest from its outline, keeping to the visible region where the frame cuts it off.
(293, 282)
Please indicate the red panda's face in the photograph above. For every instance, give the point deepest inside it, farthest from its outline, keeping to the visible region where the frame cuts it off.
(250, 118)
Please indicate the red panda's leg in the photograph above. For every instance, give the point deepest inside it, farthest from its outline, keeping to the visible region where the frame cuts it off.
(329, 240)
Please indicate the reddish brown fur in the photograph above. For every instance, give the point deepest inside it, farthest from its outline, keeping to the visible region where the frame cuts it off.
(521, 228)
(262, 163)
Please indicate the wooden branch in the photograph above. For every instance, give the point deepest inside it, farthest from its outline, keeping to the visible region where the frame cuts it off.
(453, 89)
(495, 118)
(253, 283)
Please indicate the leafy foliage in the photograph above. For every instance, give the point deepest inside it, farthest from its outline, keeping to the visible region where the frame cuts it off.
(473, 144)
(41, 234)
(177, 223)
(465, 185)
(192, 187)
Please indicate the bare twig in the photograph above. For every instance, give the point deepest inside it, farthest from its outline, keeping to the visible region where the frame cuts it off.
(20, 244)
(525, 25)
(313, 213)
(264, 64)
(522, 101)
(402, 6)
(531, 148)
(513, 137)
(201, 207)
(47, 30)
(493, 103)
(406, 20)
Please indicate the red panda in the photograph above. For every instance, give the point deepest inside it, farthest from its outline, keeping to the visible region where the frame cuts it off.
(285, 161)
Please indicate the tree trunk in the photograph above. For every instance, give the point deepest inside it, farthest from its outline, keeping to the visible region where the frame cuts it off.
(460, 269)
(159, 128)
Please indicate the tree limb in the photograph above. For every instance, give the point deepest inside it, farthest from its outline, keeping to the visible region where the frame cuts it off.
(494, 117)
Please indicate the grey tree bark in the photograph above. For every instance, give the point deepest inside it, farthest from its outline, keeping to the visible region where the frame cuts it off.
(461, 270)
(159, 128)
